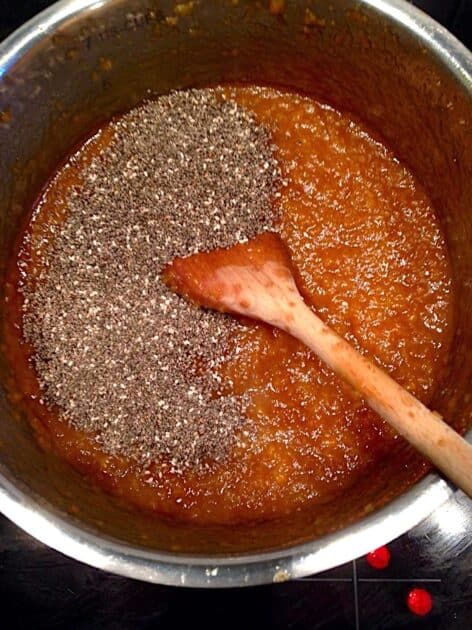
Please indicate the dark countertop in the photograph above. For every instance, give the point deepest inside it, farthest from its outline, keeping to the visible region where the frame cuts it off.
(42, 589)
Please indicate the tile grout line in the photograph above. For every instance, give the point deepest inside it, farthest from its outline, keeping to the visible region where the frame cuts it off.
(356, 594)
(399, 580)
(314, 579)
(359, 579)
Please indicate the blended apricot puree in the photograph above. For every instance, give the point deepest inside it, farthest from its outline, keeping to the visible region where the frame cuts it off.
(372, 262)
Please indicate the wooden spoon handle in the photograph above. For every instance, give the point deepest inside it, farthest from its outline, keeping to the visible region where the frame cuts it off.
(420, 426)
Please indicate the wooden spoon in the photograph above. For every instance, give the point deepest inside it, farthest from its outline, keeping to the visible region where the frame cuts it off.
(255, 279)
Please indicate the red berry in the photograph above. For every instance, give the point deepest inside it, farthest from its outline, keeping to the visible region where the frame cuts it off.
(379, 559)
(419, 601)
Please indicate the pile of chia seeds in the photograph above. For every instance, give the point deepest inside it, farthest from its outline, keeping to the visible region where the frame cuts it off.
(115, 351)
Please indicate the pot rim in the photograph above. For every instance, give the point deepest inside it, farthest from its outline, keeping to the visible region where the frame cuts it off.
(47, 525)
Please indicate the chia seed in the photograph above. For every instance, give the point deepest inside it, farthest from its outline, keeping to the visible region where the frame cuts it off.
(115, 351)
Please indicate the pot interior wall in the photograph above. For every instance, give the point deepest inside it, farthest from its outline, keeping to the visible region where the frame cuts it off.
(115, 55)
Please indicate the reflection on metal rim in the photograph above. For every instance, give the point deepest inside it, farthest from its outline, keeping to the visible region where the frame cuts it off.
(358, 539)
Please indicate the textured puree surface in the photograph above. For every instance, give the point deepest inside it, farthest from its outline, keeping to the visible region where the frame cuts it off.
(371, 260)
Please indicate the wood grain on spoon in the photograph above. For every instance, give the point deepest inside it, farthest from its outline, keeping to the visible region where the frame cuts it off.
(256, 279)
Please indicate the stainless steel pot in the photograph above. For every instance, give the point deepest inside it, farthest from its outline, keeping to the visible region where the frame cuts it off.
(82, 61)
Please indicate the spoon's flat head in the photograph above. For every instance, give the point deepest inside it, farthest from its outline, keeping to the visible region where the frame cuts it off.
(236, 279)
